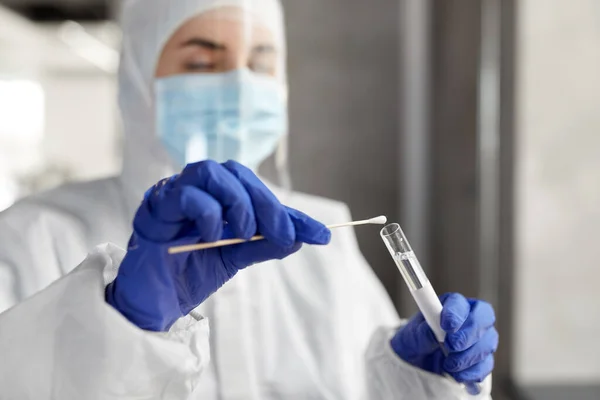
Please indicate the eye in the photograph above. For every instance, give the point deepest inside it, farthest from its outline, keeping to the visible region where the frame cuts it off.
(263, 63)
(262, 68)
(199, 67)
(202, 60)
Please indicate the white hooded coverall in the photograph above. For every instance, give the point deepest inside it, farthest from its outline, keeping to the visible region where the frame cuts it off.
(313, 326)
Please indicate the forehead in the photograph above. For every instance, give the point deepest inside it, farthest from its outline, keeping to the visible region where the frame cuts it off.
(225, 24)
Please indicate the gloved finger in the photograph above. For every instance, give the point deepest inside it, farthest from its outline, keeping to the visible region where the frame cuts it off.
(148, 227)
(309, 230)
(206, 212)
(165, 209)
(455, 312)
(476, 373)
(245, 254)
(456, 362)
(188, 203)
(479, 320)
(163, 203)
(415, 339)
(217, 181)
(272, 218)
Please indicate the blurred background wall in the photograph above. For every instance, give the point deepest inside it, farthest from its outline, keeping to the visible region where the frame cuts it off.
(558, 192)
(471, 122)
(72, 69)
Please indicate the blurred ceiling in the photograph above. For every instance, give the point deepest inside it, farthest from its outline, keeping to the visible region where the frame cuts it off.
(60, 36)
(61, 10)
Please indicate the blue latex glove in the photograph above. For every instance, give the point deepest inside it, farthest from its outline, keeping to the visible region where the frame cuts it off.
(153, 289)
(471, 340)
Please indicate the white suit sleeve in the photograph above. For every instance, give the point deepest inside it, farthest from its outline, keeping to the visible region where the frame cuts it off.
(66, 342)
(389, 377)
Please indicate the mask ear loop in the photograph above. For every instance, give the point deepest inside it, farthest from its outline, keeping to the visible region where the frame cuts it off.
(282, 168)
(245, 106)
(218, 136)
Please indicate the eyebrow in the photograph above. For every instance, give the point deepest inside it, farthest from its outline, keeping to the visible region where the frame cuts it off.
(207, 44)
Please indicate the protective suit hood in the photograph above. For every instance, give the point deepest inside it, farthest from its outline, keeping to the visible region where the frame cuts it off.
(147, 26)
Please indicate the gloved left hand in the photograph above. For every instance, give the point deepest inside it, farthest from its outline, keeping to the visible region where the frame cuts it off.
(471, 340)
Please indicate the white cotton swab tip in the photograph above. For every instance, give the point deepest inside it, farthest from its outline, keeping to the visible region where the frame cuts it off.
(381, 220)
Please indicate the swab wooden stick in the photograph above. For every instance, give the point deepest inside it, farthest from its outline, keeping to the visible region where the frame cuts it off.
(381, 220)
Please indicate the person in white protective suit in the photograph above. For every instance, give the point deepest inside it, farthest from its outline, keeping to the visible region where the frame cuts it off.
(205, 80)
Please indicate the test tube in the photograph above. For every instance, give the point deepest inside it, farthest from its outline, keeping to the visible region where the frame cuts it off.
(415, 278)
(420, 288)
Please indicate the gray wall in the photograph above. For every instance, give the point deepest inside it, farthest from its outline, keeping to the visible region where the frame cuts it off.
(558, 194)
(344, 71)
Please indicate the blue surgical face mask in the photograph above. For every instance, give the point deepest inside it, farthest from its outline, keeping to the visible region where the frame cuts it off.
(238, 115)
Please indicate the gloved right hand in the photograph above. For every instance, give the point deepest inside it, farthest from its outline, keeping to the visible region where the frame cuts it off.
(153, 288)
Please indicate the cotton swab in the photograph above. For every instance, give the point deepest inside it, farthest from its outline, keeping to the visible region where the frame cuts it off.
(381, 220)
